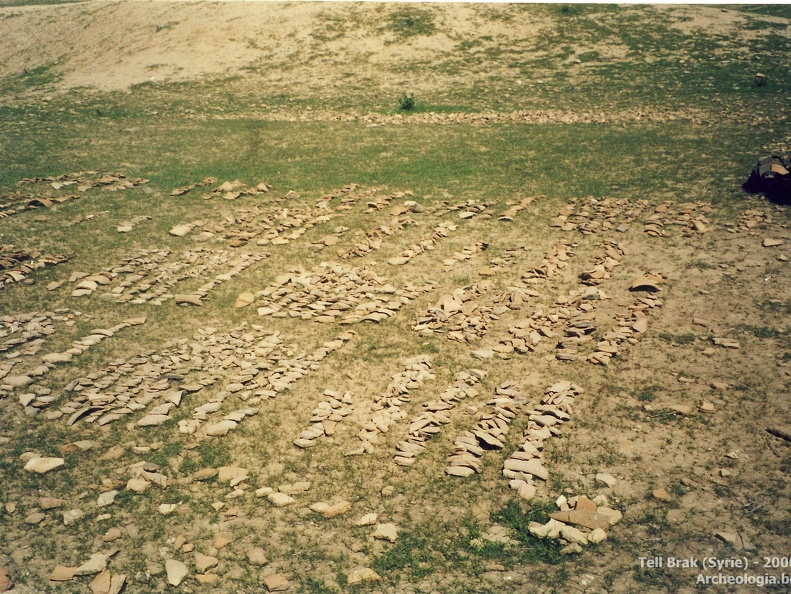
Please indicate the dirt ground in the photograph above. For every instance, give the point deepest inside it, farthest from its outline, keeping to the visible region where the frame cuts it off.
(276, 393)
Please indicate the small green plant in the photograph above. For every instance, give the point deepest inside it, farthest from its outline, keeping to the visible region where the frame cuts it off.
(647, 394)
(169, 450)
(411, 554)
(212, 454)
(407, 102)
(516, 517)
(664, 416)
(411, 22)
(765, 332)
(678, 339)
(166, 26)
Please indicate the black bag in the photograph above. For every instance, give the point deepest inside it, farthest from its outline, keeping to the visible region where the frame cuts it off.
(771, 178)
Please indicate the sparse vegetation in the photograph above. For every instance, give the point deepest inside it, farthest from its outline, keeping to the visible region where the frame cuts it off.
(406, 102)
(410, 22)
(558, 102)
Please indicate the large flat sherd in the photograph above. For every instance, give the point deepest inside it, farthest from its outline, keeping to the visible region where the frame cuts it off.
(280, 499)
(276, 583)
(176, 571)
(533, 467)
(43, 465)
(582, 517)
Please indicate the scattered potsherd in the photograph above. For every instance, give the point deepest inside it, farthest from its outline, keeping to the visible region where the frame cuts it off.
(204, 474)
(176, 571)
(152, 420)
(256, 556)
(726, 343)
(549, 530)
(112, 534)
(582, 517)
(337, 509)
(366, 520)
(232, 474)
(661, 495)
(530, 467)
(95, 564)
(647, 282)
(204, 562)
(5, 581)
(43, 465)
(47, 503)
(682, 409)
(17, 381)
(221, 428)
(62, 573)
(187, 300)
(167, 508)
(736, 539)
(107, 498)
(276, 583)
(244, 299)
(138, 485)
(101, 583)
(207, 578)
(606, 479)
(34, 518)
(280, 499)
(387, 532)
(770, 242)
(362, 575)
(72, 516)
(182, 229)
(483, 354)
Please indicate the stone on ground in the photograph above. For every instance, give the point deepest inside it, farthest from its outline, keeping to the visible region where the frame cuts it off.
(361, 575)
(42, 465)
(276, 583)
(176, 571)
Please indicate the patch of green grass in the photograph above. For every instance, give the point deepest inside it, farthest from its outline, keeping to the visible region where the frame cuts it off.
(666, 579)
(469, 540)
(341, 578)
(33, 78)
(407, 102)
(761, 331)
(663, 416)
(213, 453)
(776, 10)
(127, 500)
(163, 455)
(647, 394)
(411, 555)
(678, 339)
(410, 22)
(517, 516)
(778, 306)
(313, 586)
(702, 264)
(677, 490)
(429, 347)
